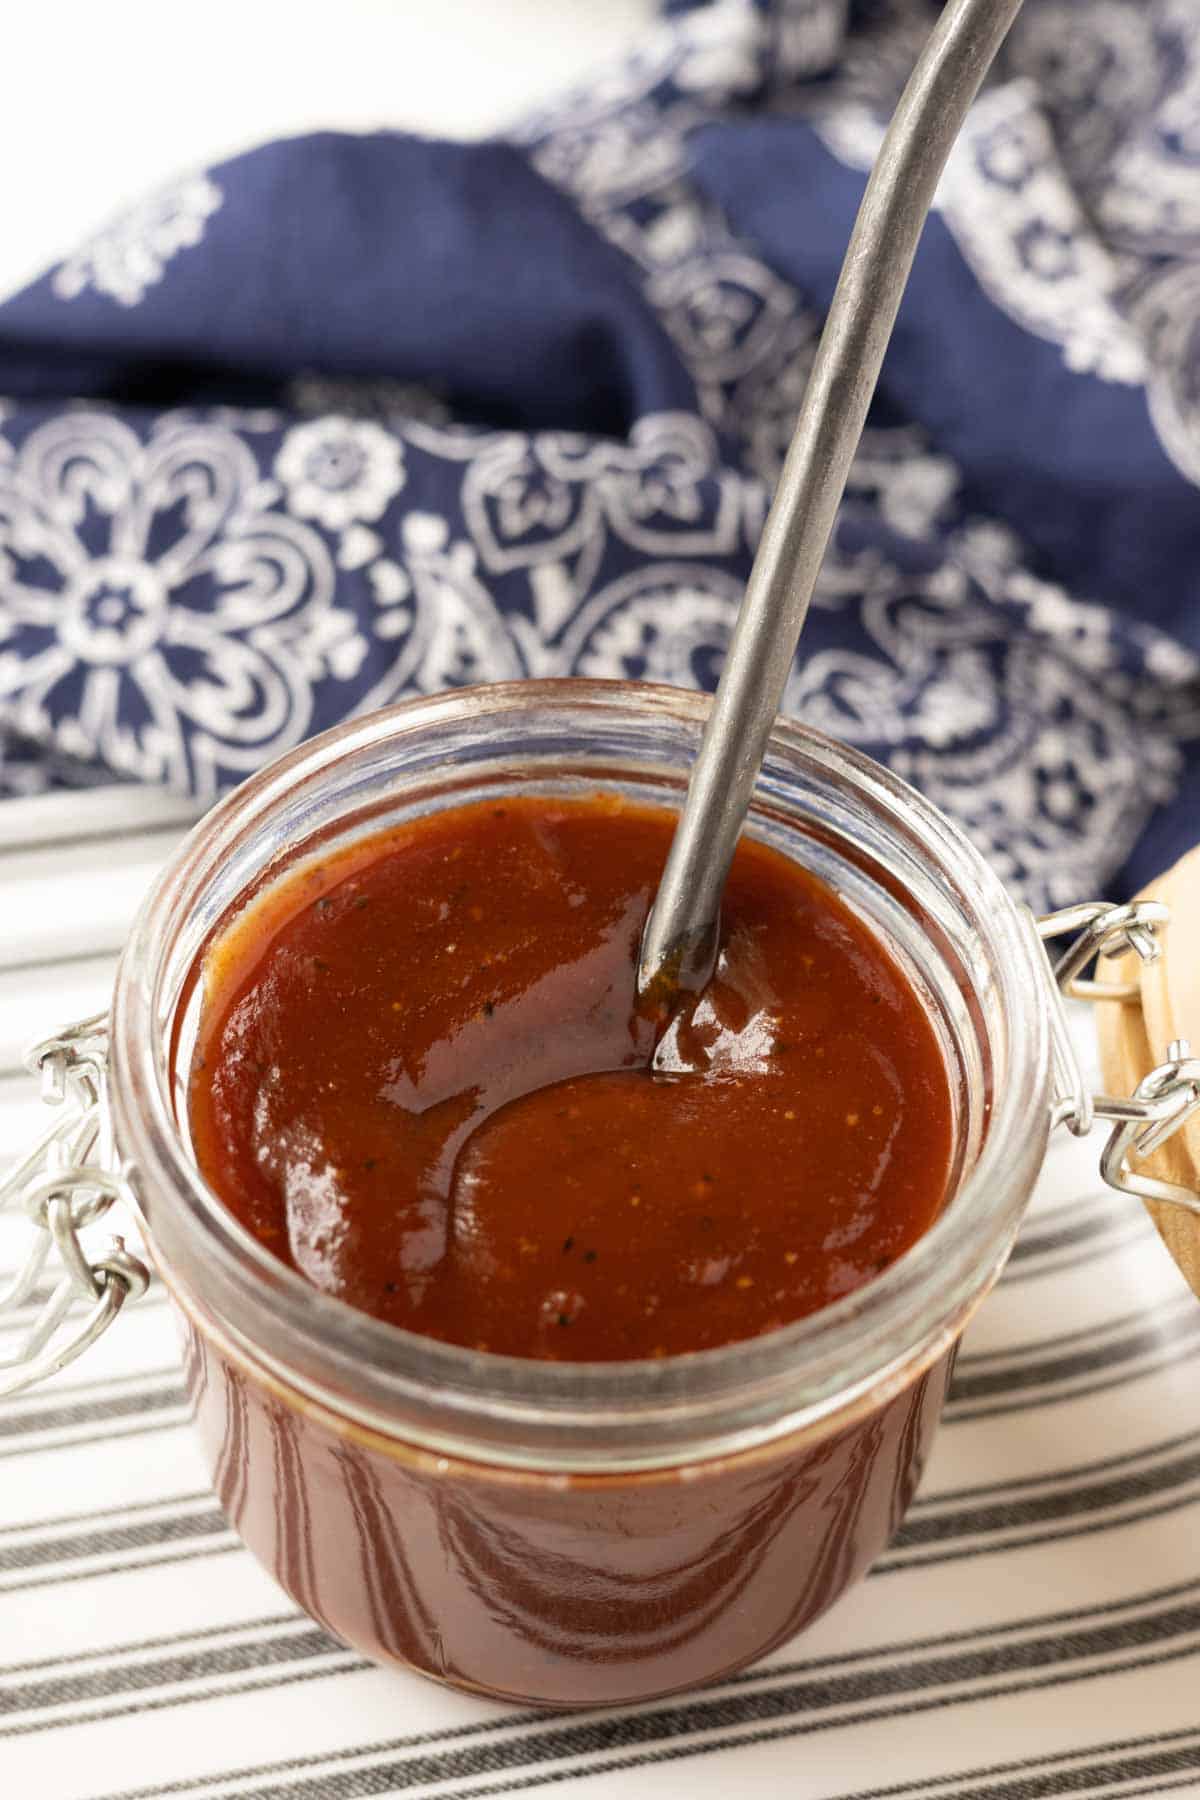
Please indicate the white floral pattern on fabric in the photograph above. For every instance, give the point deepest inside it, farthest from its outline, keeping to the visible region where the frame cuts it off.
(1041, 746)
(1125, 108)
(1036, 740)
(1040, 756)
(669, 623)
(459, 634)
(739, 328)
(809, 36)
(164, 612)
(156, 614)
(1167, 312)
(1018, 223)
(546, 499)
(621, 150)
(719, 48)
(173, 602)
(339, 470)
(1075, 187)
(131, 254)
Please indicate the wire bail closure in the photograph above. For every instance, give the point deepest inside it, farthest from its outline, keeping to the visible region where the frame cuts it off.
(1167, 1096)
(64, 1185)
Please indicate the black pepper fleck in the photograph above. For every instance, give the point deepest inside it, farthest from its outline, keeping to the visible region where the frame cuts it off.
(568, 1244)
(589, 1256)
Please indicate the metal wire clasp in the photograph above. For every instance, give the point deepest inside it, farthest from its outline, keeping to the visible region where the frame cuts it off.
(1166, 1097)
(65, 1184)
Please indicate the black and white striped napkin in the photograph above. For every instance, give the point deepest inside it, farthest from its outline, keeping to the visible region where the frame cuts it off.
(1033, 1632)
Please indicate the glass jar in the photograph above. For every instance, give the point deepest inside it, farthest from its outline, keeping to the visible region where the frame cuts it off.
(580, 1533)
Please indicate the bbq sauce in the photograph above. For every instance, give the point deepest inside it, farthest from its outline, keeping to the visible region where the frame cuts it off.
(422, 1078)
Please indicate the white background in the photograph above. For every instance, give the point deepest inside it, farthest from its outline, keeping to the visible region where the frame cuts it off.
(102, 101)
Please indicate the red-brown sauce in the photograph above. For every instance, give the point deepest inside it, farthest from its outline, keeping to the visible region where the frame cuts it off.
(422, 1079)
(583, 1591)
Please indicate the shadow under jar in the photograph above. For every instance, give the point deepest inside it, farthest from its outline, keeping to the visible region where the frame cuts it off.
(579, 1533)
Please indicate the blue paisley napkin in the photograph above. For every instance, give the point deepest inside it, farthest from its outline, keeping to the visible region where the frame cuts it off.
(347, 418)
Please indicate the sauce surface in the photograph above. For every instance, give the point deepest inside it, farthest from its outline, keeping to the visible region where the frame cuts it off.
(421, 1080)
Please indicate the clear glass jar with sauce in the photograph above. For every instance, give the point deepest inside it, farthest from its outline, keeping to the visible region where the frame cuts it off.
(547, 1531)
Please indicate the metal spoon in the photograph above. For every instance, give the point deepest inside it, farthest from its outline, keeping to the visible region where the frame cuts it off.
(679, 945)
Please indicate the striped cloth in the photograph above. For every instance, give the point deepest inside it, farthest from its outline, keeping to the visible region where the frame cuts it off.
(1033, 1632)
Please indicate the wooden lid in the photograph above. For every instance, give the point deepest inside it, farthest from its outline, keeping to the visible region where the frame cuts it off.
(1134, 1036)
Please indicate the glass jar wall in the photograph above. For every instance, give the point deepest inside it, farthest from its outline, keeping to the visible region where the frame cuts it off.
(556, 1532)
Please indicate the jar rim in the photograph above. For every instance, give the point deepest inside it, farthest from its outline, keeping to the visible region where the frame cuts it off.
(525, 1412)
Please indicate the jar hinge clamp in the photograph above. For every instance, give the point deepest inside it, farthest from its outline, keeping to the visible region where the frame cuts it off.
(1166, 1097)
(65, 1184)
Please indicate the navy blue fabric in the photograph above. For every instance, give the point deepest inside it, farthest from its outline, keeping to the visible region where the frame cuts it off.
(1073, 464)
(363, 255)
(347, 418)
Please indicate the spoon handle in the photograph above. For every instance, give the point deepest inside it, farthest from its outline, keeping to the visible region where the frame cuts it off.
(680, 939)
